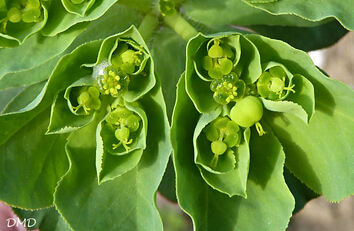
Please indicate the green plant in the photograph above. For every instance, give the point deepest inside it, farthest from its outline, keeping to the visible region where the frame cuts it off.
(254, 125)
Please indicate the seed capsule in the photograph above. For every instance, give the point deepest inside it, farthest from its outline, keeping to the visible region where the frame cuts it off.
(218, 147)
(247, 111)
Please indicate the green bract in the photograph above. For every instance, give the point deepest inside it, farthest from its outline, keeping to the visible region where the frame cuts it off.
(219, 68)
(257, 129)
(79, 7)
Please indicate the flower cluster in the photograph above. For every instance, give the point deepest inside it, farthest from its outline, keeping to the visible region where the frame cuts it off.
(126, 61)
(124, 123)
(231, 88)
(224, 135)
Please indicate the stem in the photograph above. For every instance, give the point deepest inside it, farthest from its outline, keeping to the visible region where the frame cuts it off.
(259, 129)
(148, 26)
(214, 161)
(180, 26)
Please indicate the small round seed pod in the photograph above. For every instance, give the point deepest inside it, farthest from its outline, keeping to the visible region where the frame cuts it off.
(247, 111)
(218, 147)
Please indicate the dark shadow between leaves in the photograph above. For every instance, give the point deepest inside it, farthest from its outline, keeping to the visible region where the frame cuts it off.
(265, 153)
(293, 152)
(156, 129)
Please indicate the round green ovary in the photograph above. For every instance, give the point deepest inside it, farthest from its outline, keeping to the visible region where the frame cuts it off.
(122, 134)
(247, 111)
(216, 51)
(218, 147)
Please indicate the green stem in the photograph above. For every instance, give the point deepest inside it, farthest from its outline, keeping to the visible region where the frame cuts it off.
(148, 26)
(180, 26)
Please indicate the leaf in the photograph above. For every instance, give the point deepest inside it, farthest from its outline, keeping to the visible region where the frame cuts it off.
(167, 187)
(40, 175)
(28, 77)
(60, 20)
(23, 98)
(304, 95)
(7, 95)
(168, 65)
(60, 79)
(225, 12)
(268, 198)
(62, 120)
(141, 5)
(99, 29)
(35, 51)
(315, 10)
(128, 201)
(319, 154)
(47, 219)
(34, 162)
(79, 9)
(287, 107)
(108, 24)
(304, 38)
